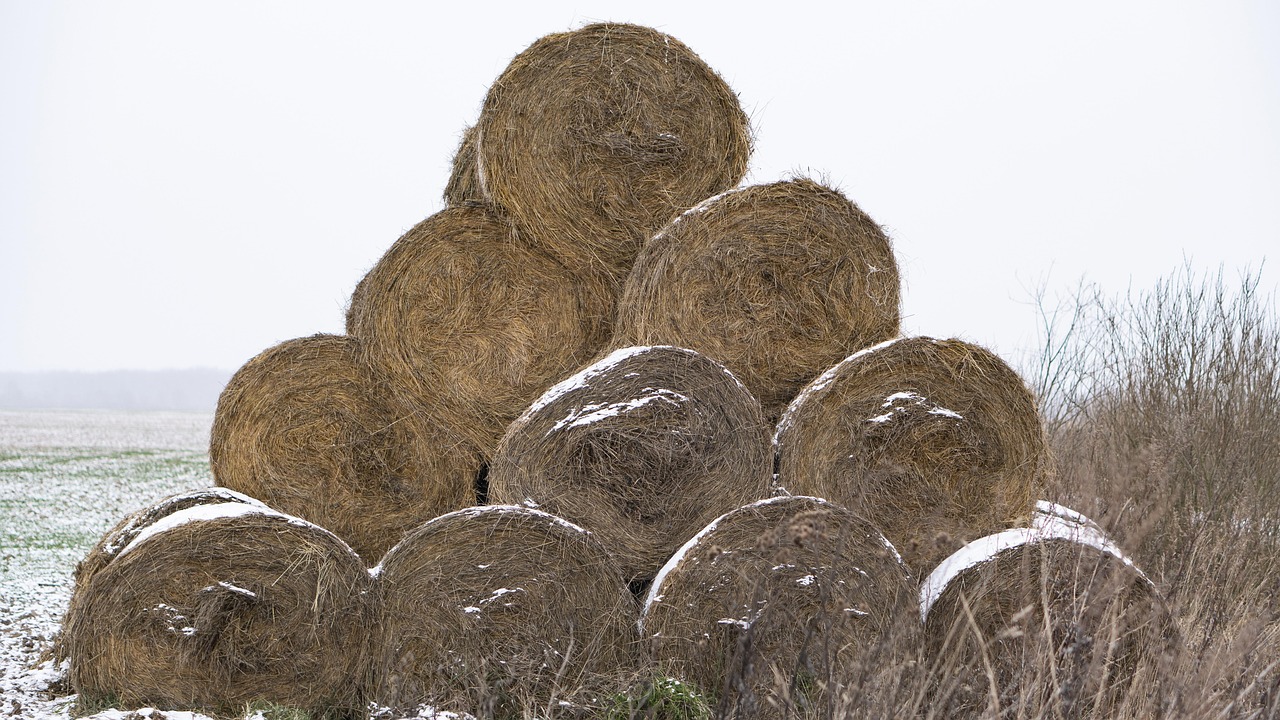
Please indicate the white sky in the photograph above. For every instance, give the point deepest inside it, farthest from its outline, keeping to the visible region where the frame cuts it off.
(185, 184)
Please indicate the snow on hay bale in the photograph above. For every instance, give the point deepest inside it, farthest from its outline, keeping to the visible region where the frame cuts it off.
(124, 532)
(464, 183)
(778, 282)
(497, 610)
(594, 139)
(463, 318)
(784, 593)
(643, 447)
(1053, 615)
(937, 442)
(219, 605)
(307, 429)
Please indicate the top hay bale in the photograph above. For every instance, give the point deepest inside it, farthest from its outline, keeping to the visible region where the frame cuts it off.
(643, 447)
(594, 139)
(467, 321)
(937, 442)
(1052, 617)
(307, 429)
(778, 282)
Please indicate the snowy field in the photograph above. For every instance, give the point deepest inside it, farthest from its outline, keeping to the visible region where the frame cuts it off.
(66, 477)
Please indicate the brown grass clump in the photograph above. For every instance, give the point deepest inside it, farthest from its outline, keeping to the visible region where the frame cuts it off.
(644, 447)
(937, 442)
(467, 321)
(220, 605)
(306, 428)
(778, 282)
(1051, 620)
(464, 182)
(501, 610)
(594, 139)
(770, 607)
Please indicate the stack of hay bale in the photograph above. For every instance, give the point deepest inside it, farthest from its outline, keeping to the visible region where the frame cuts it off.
(605, 415)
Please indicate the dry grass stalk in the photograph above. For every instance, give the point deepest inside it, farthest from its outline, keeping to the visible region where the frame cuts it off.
(219, 605)
(643, 447)
(501, 610)
(594, 139)
(1052, 619)
(468, 322)
(937, 442)
(778, 282)
(772, 605)
(307, 429)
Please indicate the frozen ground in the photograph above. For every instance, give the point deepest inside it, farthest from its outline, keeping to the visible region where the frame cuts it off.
(65, 478)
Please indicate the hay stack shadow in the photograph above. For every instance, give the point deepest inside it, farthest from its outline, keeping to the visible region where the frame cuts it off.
(773, 608)
(501, 610)
(308, 429)
(936, 442)
(217, 605)
(643, 447)
(1051, 618)
(778, 282)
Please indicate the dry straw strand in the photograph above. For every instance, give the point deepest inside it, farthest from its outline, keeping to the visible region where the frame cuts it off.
(468, 322)
(643, 447)
(219, 605)
(937, 442)
(499, 610)
(306, 428)
(594, 139)
(778, 282)
(771, 607)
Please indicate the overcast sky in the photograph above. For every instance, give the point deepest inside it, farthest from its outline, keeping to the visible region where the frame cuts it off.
(185, 184)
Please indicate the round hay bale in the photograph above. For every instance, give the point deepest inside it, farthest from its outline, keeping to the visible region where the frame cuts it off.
(219, 605)
(778, 282)
(594, 139)
(1052, 616)
(643, 447)
(461, 315)
(307, 429)
(464, 182)
(127, 529)
(501, 610)
(936, 442)
(790, 593)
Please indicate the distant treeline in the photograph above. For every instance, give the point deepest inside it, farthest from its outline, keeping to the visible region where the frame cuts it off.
(185, 390)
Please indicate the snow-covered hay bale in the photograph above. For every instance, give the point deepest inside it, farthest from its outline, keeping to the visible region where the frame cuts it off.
(1051, 616)
(124, 532)
(594, 139)
(778, 282)
(220, 605)
(306, 428)
(466, 320)
(937, 442)
(497, 610)
(785, 593)
(464, 182)
(643, 447)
